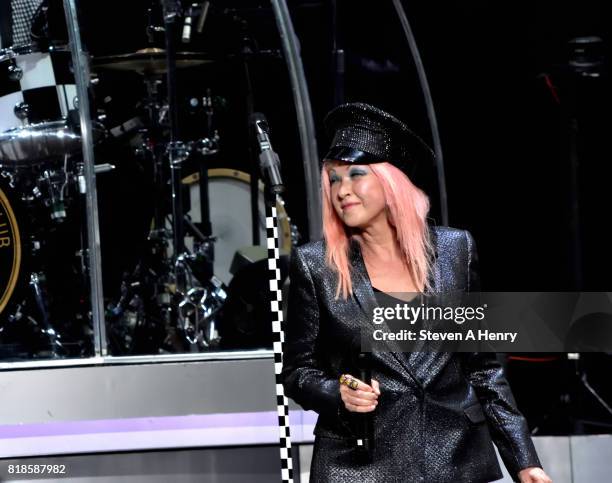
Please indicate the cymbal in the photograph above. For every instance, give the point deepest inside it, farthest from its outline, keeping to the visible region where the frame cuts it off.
(149, 61)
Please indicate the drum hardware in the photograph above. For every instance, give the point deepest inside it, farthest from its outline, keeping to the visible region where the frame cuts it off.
(103, 168)
(203, 247)
(83, 256)
(151, 296)
(45, 191)
(175, 287)
(36, 283)
(38, 134)
(186, 33)
(35, 143)
(151, 28)
(16, 316)
(38, 96)
(142, 318)
(38, 321)
(14, 73)
(138, 320)
(182, 150)
(131, 125)
(98, 169)
(10, 176)
(199, 303)
(55, 188)
(194, 15)
(80, 176)
(51, 186)
(206, 146)
(124, 322)
(199, 307)
(176, 151)
(22, 110)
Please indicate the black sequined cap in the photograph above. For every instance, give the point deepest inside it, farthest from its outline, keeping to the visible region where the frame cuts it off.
(364, 134)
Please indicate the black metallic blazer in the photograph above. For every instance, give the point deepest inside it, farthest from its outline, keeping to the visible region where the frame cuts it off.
(438, 413)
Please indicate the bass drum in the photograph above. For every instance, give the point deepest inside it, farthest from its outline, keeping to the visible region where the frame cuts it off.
(230, 215)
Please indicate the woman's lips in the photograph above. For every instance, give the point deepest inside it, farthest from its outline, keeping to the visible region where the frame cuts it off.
(348, 205)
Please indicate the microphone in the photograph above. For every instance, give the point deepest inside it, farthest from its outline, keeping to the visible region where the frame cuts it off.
(188, 24)
(186, 36)
(269, 162)
(365, 421)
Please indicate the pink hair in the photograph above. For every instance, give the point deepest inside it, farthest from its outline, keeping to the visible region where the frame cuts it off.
(407, 207)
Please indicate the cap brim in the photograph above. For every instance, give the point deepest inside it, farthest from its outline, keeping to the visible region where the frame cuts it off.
(351, 155)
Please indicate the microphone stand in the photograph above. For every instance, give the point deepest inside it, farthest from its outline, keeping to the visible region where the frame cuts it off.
(176, 150)
(273, 191)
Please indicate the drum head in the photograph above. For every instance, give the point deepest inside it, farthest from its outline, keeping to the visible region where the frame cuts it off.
(230, 215)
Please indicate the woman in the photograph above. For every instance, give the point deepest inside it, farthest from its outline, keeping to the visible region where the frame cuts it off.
(434, 414)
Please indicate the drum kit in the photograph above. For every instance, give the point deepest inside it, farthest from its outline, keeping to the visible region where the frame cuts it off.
(172, 300)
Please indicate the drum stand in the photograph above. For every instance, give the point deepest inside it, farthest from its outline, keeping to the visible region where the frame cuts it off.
(36, 284)
(172, 291)
(176, 150)
(196, 304)
(170, 299)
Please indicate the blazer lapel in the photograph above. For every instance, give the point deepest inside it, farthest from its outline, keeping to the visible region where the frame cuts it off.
(364, 295)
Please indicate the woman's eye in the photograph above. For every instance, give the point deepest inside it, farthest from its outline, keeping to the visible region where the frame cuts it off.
(357, 173)
(333, 179)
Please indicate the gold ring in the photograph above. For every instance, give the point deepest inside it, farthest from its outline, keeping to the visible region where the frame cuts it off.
(349, 381)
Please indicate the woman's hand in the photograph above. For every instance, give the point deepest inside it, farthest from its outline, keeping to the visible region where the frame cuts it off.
(533, 474)
(363, 399)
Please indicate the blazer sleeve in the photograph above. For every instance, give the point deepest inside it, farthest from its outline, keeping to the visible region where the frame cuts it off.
(303, 376)
(473, 284)
(485, 373)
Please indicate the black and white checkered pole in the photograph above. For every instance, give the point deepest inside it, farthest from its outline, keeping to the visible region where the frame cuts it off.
(269, 164)
(276, 307)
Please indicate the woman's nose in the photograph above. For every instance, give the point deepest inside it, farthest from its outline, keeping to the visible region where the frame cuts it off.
(345, 188)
